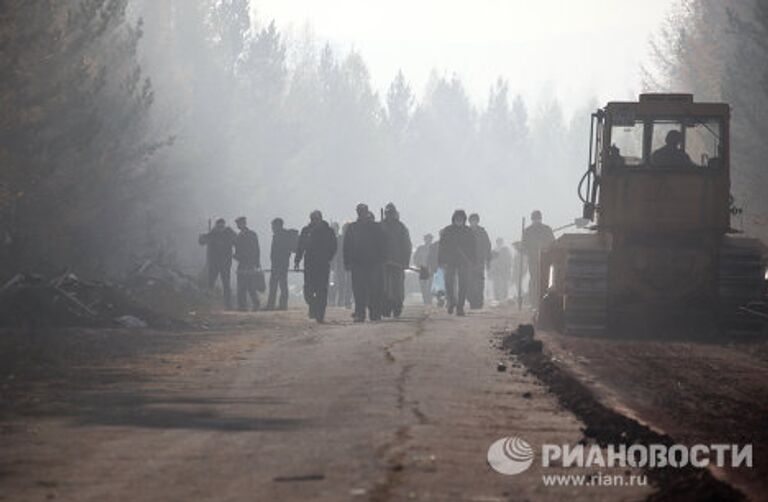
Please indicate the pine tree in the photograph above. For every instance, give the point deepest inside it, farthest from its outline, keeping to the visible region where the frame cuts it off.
(73, 137)
(230, 21)
(400, 105)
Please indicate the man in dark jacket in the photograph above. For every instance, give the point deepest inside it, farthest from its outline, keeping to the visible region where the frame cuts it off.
(397, 259)
(219, 241)
(248, 256)
(284, 243)
(364, 252)
(456, 255)
(317, 246)
(476, 291)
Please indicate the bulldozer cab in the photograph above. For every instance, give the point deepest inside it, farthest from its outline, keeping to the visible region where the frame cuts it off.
(659, 165)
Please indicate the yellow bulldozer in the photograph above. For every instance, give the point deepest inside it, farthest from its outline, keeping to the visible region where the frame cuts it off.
(661, 256)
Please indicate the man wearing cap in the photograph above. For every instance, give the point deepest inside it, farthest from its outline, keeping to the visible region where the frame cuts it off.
(219, 242)
(364, 253)
(397, 259)
(248, 256)
(317, 246)
(536, 237)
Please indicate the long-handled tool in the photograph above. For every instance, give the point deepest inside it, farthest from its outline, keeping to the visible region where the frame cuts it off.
(578, 223)
(422, 271)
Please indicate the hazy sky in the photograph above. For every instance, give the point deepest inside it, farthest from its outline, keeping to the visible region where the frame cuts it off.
(574, 48)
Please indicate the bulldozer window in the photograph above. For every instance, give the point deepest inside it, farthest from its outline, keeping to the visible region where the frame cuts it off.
(694, 143)
(702, 143)
(626, 145)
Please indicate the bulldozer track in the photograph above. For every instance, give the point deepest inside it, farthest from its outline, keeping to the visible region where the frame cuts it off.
(739, 280)
(586, 292)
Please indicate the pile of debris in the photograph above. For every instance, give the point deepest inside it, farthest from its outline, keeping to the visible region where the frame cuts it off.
(522, 341)
(152, 295)
(166, 290)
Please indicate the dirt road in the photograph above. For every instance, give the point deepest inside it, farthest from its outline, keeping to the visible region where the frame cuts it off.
(273, 407)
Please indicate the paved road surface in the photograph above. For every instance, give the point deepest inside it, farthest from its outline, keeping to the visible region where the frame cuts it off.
(283, 409)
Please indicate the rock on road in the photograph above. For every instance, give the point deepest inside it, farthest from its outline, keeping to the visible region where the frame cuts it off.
(283, 409)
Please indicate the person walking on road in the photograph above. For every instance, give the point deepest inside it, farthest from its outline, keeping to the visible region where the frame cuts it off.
(456, 255)
(536, 237)
(397, 259)
(284, 243)
(333, 282)
(248, 256)
(501, 270)
(342, 275)
(364, 252)
(476, 290)
(317, 247)
(219, 242)
(426, 259)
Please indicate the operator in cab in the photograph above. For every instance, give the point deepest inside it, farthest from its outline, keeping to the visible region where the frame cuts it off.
(672, 153)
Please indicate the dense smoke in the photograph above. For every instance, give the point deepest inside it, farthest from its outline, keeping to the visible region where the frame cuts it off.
(155, 116)
(270, 125)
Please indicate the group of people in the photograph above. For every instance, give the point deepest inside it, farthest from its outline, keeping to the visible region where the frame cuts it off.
(463, 257)
(365, 263)
(459, 259)
(369, 265)
(223, 245)
(376, 255)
